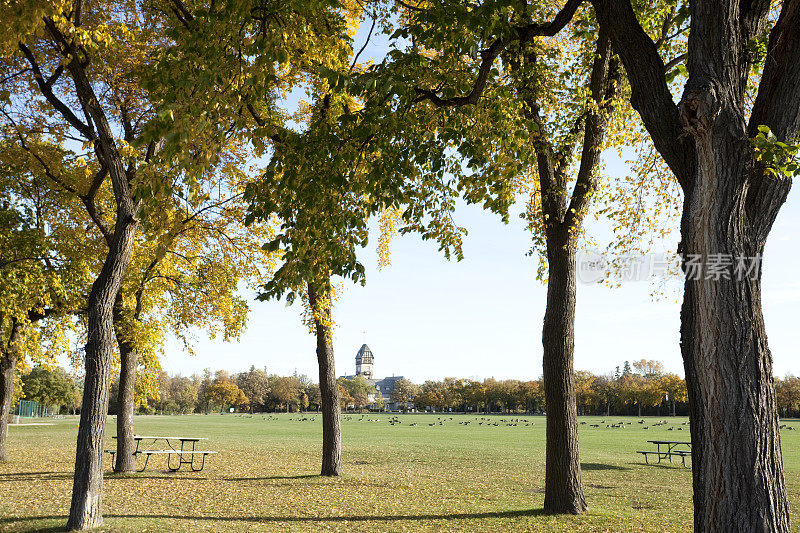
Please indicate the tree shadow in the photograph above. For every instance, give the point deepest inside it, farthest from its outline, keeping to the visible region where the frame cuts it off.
(601, 466)
(165, 475)
(33, 476)
(299, 519)
(267, 478)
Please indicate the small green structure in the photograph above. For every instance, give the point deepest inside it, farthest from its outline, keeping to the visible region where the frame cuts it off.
(28, 408)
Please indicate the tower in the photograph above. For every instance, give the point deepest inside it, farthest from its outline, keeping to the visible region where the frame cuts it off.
(364, 362)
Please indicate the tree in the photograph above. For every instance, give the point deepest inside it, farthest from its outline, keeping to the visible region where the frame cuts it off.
(787, 393)
(74, 60)
(403, 393)
(378, 402)
(649, 369)
(255, 385)
(44, 266)
(344, 397)
(675, 389)
(474, 394)
(256, 61)
(185, 273)
(584, 384)
(285, 390)
(50, 387)
(203, 389)
(732, 155)
(360, 390)
(525, 113)
(313, 395)
(224, 392)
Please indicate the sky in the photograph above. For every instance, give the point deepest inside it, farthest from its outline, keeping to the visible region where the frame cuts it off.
(429, 318)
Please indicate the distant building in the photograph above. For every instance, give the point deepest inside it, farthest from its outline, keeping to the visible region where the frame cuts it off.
(364, 362)
(365, 365)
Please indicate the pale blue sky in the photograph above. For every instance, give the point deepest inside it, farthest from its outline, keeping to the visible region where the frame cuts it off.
(427, 318)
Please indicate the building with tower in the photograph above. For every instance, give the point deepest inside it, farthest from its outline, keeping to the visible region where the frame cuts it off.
(365, 366)
(364, 362)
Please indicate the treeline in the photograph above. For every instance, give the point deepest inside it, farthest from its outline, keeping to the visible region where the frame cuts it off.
(638, 388)
(251, 391)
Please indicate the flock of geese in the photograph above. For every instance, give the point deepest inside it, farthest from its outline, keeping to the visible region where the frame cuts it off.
(489, 421)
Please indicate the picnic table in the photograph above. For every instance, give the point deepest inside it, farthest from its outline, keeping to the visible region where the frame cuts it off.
(673, 448)
(145, 446)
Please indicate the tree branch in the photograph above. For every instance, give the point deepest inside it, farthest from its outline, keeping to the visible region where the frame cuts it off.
(604, 86)
(91, 208)
(522, 34)
(650, 94)
(777, 103)
(47, 91)
(777, 106)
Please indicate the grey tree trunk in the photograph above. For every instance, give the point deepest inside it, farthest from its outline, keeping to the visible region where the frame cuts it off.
(87, 489)
(736, 447)
(563, 485)
(7, 364)
(126, 445)
(329, 393)
(730, 204)
(563, 209)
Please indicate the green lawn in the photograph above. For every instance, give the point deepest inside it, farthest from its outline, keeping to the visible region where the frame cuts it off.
(401, 477)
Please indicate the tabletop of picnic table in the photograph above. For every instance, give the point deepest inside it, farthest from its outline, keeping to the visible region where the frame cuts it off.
(148, 437)
(669, 442)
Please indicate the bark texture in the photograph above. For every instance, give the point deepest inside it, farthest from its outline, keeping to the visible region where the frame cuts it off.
(329, 393)
(126, 445)
(6, 391)
(87, 489)
(8, 361)
(730, 204)
(563, 487)
(563, 211)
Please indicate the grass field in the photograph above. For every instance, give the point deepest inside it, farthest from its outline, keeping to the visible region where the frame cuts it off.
(397, 477)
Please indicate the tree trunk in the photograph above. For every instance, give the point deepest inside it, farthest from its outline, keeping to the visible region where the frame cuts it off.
(126, 445)
(563, 485)
(329, 392)
(6, 391)
(87, 489)
(736, 448)
(730, 204)
(8, 362)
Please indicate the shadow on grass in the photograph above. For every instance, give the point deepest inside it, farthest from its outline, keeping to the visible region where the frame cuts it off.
(267, 478)
(666, 465)
(156, 475)
(309, 519)
(33, 476)
(601, 466)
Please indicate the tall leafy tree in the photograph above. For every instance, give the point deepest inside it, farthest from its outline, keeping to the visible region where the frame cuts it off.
(505, 105)
(45, 264)
(732, 156)
(74, 82)
(255, 53)
(185, 274)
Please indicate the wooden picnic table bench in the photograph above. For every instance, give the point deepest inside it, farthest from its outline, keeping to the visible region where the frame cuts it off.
(184, 456)
(670, 451)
